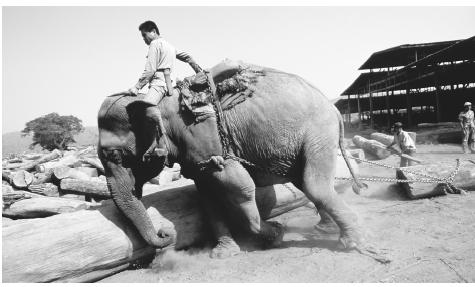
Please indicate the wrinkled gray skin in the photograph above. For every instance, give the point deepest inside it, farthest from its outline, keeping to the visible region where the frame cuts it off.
(287, 125)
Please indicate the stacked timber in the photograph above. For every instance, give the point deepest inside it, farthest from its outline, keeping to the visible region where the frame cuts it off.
(372, 147)
(464, 179)
(60, 177)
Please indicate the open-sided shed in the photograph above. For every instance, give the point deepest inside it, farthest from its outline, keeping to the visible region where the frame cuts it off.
(413, 83)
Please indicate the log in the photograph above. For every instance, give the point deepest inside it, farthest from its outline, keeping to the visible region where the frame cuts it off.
(62, 172)
(48, 157)
(43, 207)
(70, 160)
(94, 162)
(14, 166)
(32, 156)
(43, 177)
(6, 176)
(372, 146)
(47, 189)
(21, 179)
(92, 187)
(15, 160)
(166, 176)
(90, 171)
(465, 179)
(9, 195)
(87, 245)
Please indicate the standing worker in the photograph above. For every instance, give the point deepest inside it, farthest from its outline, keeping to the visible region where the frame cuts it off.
(467, 123)
(404, 142)
(160, 75)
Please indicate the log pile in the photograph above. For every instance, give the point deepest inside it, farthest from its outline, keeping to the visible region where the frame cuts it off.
(60, 177)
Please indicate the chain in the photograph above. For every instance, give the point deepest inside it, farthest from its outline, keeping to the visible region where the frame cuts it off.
(433, 179)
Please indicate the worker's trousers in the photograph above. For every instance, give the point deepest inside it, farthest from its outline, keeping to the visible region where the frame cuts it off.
(468, 137)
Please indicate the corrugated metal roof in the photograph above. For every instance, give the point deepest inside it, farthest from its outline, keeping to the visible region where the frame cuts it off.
(403, 55)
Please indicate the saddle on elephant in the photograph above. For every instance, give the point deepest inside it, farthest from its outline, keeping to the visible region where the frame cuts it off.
(230, 81)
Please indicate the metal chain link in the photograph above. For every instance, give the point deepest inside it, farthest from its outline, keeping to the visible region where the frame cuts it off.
(433, 179)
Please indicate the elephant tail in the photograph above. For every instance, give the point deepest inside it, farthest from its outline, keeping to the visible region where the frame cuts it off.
(357, 185)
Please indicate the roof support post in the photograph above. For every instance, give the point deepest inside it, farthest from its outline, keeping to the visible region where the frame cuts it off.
(437, 100)
(348, 111)
(359, 113)
(371, 120)
(388, 110)
(408, 107)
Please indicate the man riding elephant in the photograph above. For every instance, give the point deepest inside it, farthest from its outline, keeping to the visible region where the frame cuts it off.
(270, 127)
(159, 73)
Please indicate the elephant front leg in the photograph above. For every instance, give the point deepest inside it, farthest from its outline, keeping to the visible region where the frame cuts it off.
(225, 244)
(237, 188)
(120, 183)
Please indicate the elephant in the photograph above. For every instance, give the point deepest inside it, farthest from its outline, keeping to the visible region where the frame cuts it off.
(284, 130)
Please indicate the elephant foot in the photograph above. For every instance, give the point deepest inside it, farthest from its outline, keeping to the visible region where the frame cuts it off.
(274, 240)
(350, 240)
(225, 248)
(329, 227)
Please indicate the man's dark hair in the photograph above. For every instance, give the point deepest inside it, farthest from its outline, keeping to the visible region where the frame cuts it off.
(148, 26)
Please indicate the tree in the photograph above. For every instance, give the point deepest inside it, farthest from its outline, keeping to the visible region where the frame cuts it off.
(53, 131)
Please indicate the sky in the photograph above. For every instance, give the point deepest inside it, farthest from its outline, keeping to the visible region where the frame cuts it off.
(68, 59)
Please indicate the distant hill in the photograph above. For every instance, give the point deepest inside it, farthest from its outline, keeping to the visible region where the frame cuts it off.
(13, 142)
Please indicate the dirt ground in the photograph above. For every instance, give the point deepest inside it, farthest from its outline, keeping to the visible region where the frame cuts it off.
(428, 240)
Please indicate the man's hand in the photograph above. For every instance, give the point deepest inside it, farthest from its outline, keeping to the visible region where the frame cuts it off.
(133, 91)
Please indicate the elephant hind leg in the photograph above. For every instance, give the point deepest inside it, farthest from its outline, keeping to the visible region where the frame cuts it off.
(318, 186)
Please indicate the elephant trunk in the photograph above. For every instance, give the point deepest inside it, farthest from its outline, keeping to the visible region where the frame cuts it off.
(121, 186)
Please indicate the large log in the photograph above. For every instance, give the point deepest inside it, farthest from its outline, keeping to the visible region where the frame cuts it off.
(372, 146)
(43, 207)
(47, 189)
(92, 187)
(89, 244)
(465, 179)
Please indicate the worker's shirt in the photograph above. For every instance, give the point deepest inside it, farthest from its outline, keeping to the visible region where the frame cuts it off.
(161, 55)
(467, 118)
(404, 141)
